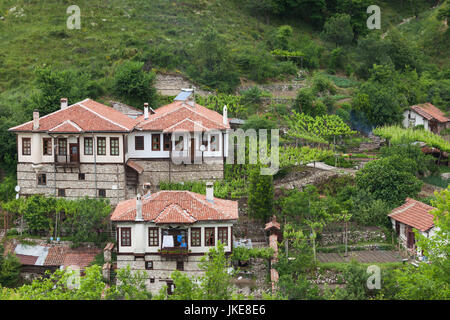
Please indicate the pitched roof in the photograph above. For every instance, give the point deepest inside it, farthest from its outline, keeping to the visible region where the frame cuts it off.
(180, 113)
(428, 111)
(83, 116)
(177, 207)
(415, 214)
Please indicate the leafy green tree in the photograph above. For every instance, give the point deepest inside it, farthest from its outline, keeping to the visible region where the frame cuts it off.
(134, 84)
(130, 286)
(383, 179)
(283, 35)
(212, 63)
(9, 269)
(338, 30)
(355, 278)
(53, 85)
(260, 195)
(215, 284)
(357, 10)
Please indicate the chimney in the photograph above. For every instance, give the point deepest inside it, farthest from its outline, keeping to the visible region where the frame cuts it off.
(225, 115)
(210, 192)
(64, 103)
(35, 119)
(146, 110)
(139, 208)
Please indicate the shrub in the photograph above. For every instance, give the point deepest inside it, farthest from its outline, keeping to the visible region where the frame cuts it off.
(134, 84)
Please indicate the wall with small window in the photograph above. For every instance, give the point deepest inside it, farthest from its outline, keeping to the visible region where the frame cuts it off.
(107, 148)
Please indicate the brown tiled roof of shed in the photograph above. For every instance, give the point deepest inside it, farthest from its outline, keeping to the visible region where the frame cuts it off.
(429, 111)
(415, 214)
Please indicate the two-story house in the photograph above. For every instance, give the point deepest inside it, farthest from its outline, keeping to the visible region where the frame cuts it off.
(76, 151)
(171, 230)
(90, 149)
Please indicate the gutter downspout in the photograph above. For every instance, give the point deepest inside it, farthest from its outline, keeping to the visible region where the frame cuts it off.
(94, 151)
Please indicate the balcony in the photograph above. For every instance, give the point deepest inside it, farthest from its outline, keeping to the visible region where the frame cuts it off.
(174, 253)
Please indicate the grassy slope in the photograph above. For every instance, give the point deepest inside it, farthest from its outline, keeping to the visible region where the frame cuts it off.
(119, 29)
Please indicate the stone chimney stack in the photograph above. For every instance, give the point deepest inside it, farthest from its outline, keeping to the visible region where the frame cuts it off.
(64, 103)
(35, 119)
(210, 192)
(139, 208)
(146, 110)
(225, 115)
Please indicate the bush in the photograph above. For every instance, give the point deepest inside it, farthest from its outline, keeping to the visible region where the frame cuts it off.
(135, 85)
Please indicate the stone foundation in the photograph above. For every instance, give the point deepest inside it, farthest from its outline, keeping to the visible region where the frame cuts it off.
(156, 171)
(104, 175)
(159, 276)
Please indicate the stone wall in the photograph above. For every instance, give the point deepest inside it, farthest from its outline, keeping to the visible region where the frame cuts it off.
(156, 171)
(356, 236)
(105, 176)
(162, 269)
(171, 85)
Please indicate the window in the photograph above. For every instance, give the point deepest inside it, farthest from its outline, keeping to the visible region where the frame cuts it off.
(152, 280)
(149, 265)
(42, 179)
(167, 142)
(47, 146)
(102, 193)
(139, 143)
(101, 146)
(153, 237)
(62, 146)
(114, 146)
(209, 237)
(26, 146)
(180, 265)
(125, 237)
(88, 149)
(196, 237)
(81, 176)
(155, 142)
(61, 192)
(222, 235)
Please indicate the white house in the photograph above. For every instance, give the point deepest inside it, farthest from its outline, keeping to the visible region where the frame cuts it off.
(171, 230)
(90, 149)
(412, 215)
(432, 118)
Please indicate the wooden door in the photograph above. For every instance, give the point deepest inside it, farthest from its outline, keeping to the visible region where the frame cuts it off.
(410, 237)
(192, 150)
(74, 152)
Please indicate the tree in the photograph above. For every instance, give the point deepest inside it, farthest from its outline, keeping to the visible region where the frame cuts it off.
(214, 285)
(384, 181)
(282, 37)
(130, 286)
(9, 269)
(212, 65)
(338, 30)
(53, 85)
(260, 194)
(135, 85)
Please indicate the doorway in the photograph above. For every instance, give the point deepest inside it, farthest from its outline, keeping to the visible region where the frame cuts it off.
(74, 155)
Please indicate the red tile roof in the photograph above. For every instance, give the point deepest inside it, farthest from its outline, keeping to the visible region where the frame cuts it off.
(428, 111)
(177, 207)
(27, 260)
(178, 112)
(86, 115)
(415, 214)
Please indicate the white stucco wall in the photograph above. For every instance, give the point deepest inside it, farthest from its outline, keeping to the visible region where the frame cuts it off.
(419, 120)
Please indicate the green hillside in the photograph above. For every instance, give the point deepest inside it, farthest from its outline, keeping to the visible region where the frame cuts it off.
(216, 44)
